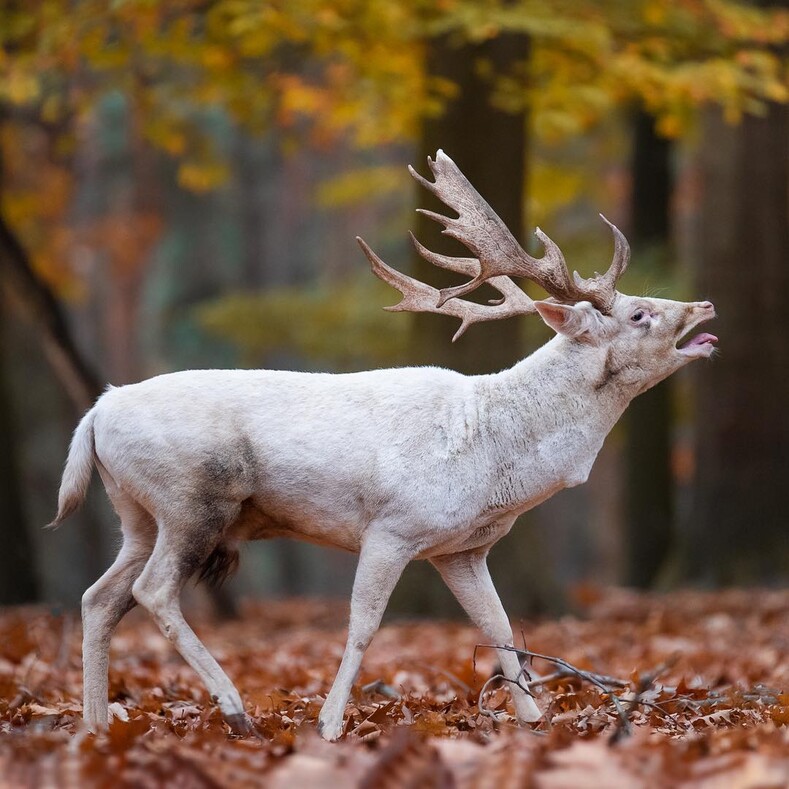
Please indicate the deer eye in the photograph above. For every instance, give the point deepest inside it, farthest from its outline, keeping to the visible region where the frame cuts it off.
(636, 316)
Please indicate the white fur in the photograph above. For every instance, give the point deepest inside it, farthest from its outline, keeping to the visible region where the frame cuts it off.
(394, 464)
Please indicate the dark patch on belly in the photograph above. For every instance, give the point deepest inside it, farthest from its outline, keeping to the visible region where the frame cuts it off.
(225, 466)
(206, 523)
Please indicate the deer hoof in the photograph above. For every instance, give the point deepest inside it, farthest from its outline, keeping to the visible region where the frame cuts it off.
(241, 724)
(331, 731)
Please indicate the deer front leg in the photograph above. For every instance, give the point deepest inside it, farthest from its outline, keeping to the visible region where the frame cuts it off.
(467, 576)
(381, 563)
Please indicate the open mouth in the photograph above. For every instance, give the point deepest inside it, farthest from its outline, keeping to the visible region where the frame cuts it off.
(699, 345)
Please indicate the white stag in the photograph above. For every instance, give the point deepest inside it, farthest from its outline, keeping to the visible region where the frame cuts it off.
(415, 463)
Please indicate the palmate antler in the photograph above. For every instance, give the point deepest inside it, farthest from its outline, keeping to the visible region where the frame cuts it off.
(497, 257)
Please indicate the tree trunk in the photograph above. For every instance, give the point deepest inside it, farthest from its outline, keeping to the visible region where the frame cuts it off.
(78, 379)
(17, 565)
(737, 533)
(489, 145)
(648, 483)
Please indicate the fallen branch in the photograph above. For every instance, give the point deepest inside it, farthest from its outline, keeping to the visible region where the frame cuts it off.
(562, 672)
(382, 689)
(644, 683)
(485, 710)
(605, 683)
(481, 704)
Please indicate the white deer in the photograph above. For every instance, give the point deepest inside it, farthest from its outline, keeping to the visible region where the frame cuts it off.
(402, 464)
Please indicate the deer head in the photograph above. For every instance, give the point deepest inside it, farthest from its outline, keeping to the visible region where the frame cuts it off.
(638, 337)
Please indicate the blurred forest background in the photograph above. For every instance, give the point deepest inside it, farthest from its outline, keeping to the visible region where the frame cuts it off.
(180, 187)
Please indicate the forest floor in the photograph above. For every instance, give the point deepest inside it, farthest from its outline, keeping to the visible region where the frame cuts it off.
(704, 701)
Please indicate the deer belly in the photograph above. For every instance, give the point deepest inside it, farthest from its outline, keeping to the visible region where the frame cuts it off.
(479, 535)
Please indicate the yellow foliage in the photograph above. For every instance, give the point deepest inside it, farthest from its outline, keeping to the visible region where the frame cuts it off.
(19, 87)
(551, 187)
(339, 326)
(355, 70)
(35, 202)
(367, 183)
(202, 176)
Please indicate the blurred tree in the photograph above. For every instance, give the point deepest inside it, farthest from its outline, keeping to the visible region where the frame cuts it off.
(37, 201)
(18, 574)
(489, 144)
(738, 529)
(74, 372)
(648, 517)
(34, 299)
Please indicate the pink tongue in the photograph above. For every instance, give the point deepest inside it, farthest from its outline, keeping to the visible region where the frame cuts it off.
(700, 339)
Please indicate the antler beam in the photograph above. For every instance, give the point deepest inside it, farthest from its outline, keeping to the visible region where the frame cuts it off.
(497, 256)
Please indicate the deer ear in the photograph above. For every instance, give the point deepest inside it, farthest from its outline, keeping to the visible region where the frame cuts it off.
(572, 320)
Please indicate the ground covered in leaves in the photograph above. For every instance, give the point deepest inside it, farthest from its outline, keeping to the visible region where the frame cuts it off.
(703, 701)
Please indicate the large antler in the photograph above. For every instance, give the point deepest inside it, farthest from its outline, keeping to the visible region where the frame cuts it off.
(420, 297)
(498, 256)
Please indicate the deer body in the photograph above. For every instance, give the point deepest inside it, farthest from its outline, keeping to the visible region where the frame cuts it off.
(322, 457)
(393, 464)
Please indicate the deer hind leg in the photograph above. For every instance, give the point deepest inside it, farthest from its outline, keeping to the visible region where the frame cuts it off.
(381, 563)
(105, 603)
(467, 576)
(182, 547)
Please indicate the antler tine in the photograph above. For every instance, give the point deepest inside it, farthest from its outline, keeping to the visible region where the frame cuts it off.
(601, 289)
(477, 226)
(420, 297)
(518, 302)
(552, 274)
(467, 266)
(420, 179)
(416, 294)
(480, 229)
(621, 259)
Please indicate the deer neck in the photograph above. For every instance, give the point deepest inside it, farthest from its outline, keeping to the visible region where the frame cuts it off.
(544, 422)
(565, 387)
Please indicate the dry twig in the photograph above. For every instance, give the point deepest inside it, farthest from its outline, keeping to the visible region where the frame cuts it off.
(644, 683)
(605, 683)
